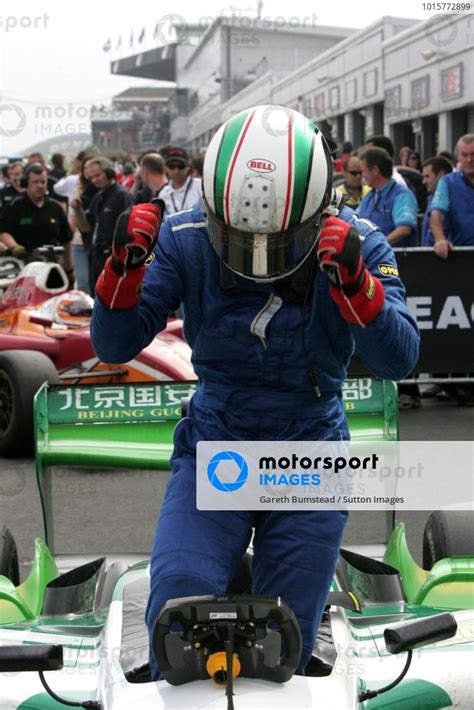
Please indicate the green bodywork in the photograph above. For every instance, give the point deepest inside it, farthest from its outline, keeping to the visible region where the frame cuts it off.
(26, 600)
(131, 425)
(449, 584)
(131, 445)
(411, 694)
(74, 427)
(46, 702)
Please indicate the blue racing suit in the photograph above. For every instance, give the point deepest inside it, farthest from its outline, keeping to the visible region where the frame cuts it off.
(248, 352)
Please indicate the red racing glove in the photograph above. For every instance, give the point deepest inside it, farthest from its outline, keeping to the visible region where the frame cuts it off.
(359, 295)
(135, 236)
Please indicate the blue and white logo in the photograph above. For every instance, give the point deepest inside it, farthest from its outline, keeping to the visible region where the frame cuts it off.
(240, 464)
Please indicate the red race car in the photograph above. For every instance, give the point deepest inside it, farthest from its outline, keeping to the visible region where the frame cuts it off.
(44, 335)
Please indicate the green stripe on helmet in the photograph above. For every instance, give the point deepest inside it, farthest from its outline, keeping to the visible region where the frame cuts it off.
(302, 159)
(229, 140)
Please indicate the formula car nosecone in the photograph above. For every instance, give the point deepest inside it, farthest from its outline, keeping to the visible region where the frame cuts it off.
(44, 336)
(393, 635)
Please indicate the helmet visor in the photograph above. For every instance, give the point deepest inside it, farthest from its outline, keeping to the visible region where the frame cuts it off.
(263, 256)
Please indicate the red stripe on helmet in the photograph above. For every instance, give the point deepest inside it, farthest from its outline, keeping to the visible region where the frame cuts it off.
(232, 166)
(290, 173)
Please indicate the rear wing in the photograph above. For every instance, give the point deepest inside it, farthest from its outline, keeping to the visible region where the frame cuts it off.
(131, 425)
(371, 408)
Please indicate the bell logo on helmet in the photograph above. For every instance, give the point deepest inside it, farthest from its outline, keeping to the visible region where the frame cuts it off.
(259, 165)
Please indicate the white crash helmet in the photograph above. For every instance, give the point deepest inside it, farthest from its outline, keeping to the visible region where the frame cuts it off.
(267, 179)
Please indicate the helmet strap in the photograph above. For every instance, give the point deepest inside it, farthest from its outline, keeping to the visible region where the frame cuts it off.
(292, 289)
(228, 281)
(299, 285)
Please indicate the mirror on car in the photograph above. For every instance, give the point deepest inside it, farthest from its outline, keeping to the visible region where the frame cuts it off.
(421, 632)
(18, 659)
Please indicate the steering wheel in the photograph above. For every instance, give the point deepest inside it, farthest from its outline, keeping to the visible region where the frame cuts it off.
(262, 627)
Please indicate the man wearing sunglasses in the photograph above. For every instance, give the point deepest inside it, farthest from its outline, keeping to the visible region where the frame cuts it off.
(352, 187)
(182, 191)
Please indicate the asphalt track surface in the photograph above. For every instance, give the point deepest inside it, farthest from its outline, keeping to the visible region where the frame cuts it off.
(115, 511)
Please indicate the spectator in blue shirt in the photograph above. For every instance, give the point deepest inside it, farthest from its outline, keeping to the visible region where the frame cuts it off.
(453, 203)
(390, 206)
(452, 224)
(393, 209)
(433, 170)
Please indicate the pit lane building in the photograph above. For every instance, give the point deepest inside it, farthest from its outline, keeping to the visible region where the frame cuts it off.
(212, 61)
(408, 79)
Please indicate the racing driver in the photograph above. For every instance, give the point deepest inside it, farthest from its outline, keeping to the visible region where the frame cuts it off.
(277, 290)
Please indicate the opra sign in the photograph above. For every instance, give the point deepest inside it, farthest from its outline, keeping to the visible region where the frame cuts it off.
(259, 165)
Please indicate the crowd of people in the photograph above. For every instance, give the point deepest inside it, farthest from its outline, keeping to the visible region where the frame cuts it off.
(429, 204)
(408, 199)
(92, 195)
(413, 203)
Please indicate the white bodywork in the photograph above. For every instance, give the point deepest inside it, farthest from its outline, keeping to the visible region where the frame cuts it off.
(92, 669)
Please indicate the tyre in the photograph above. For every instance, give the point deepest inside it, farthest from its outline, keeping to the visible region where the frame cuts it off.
(9, 557)
(448, 533)
(22, 372)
